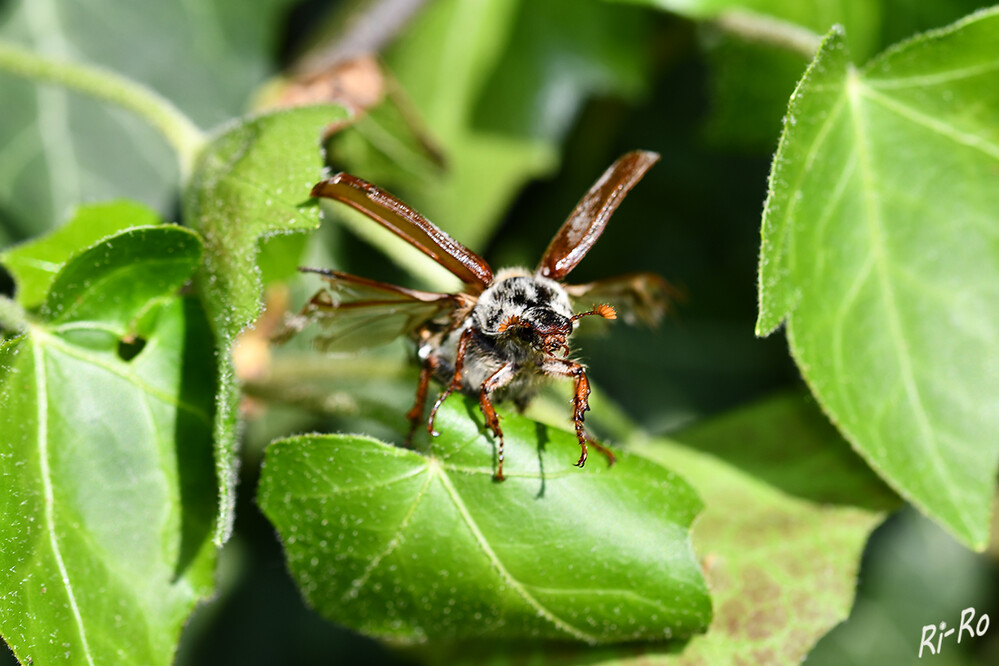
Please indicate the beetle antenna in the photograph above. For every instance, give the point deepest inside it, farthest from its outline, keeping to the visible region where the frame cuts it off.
(604, 310)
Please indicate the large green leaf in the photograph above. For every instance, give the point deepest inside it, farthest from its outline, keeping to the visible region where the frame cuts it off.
(880, 250)
(415, 547)
(59, 148)
(250, 182)
(106, 504)
(780, 555)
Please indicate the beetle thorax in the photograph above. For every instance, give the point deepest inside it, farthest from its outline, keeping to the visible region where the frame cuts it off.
(516, 295)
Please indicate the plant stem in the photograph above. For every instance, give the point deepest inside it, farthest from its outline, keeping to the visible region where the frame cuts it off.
(102, 84)
(12, 315)
(759, 28)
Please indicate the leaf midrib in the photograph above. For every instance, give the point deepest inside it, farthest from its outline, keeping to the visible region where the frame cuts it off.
(878, 246)
(437, 472)
(41, 405)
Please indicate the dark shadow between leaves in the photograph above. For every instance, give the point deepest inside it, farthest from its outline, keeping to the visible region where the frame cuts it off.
(788, 442)
(195, 456)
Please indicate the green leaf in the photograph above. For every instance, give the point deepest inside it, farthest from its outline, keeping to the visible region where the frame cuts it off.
(780, 557)
(880, 250)
(106, 499)
(59, 148)
(117, 281)
(782, 570)
(253, 180)
(413, 548)
(35, 263)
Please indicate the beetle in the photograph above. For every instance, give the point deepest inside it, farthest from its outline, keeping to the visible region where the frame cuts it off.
(508, 331)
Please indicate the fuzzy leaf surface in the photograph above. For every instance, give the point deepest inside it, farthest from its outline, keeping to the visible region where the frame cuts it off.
(252, 181)
(780, 556)
(881, 251)
(412, 547)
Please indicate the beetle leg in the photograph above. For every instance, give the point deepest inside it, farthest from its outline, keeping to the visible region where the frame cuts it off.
(455, 385)
(611, 458)
(503, 376)
(415, 415)
(580, 404)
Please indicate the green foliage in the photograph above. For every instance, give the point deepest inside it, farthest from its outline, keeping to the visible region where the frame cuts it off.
(738, 538)
(920, 575)
(779, 556)
(34, 264)
(781, 569)
(878, 248)
(413, 547)
(497, 83)
(108, 520)
(235, 198)
(61, 148)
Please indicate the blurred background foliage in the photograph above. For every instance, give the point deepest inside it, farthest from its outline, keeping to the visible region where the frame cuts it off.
(526, 102)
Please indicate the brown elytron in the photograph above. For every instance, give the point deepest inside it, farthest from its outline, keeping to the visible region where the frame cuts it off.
(507, 332)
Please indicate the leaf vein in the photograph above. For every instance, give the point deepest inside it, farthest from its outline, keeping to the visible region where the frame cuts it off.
(876, 236)
(516, 585)
(934, 125)
(41, 398)
(923, 80)
(360, 581)
(70, 350)
(371, 486)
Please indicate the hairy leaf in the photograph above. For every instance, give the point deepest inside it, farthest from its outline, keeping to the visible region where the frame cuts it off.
(252, 181)
(880, 250)
(413, 547)
(106, 489)
(780, 558)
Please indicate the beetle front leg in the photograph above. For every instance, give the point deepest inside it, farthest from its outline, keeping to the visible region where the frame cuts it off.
(580, 404)
(503, 376)
(455, 384)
